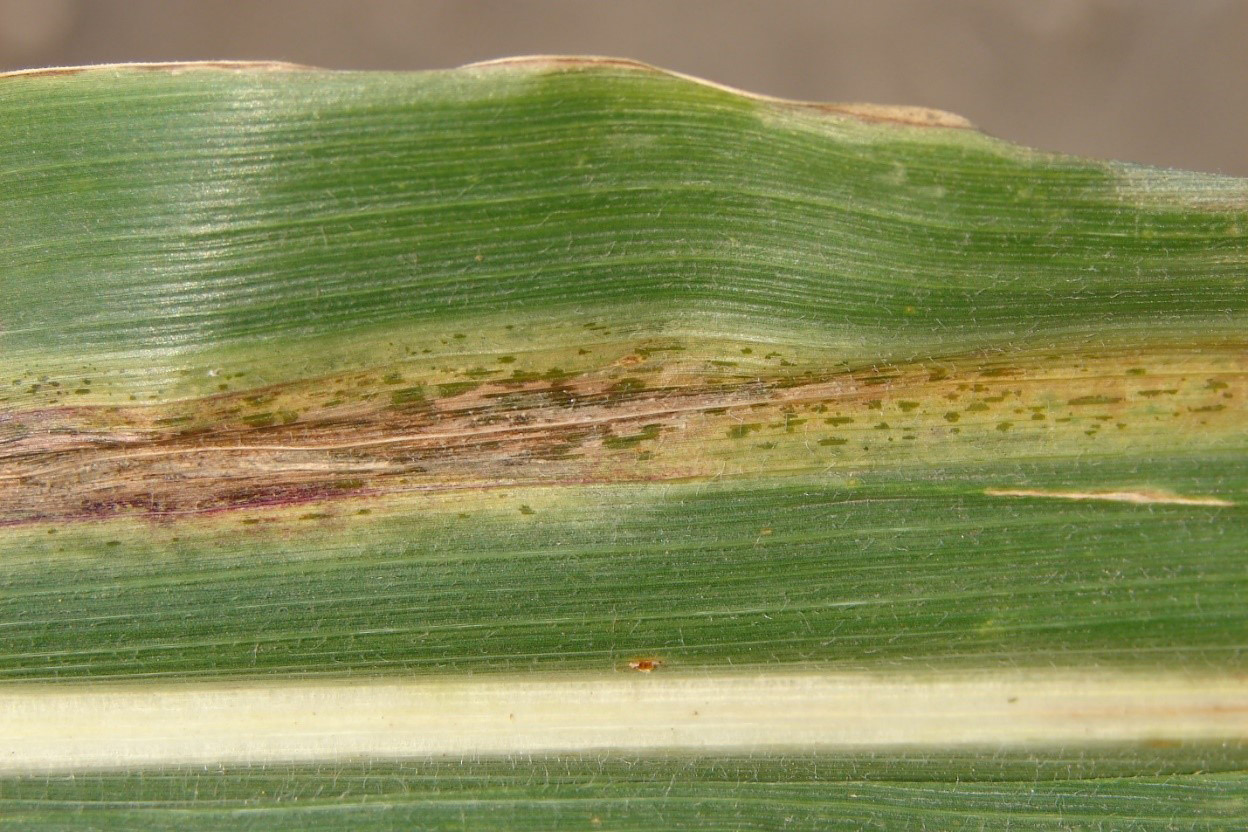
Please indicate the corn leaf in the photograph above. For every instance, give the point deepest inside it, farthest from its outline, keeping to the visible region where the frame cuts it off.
(564, 443)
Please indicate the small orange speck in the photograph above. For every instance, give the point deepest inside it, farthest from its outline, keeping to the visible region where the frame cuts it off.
(645, 665)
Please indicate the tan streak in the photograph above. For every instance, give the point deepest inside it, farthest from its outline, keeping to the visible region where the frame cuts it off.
(49, 729)
(813, 392)
(1141, 497)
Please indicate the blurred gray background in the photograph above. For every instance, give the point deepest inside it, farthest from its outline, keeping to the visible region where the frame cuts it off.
(1157, 81)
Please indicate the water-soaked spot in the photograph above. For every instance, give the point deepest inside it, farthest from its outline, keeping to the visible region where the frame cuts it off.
(838, 420)
(742, 431)
(907, 407)
(833, 440)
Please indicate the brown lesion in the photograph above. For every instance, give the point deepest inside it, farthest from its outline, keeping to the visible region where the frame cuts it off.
(253, 448)
(656, 418)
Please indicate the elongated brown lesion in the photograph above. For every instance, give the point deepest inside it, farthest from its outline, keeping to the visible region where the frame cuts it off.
(654, 418)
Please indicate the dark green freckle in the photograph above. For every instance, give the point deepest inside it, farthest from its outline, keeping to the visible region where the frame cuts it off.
(1094, 400)
(526, 510)
(457, 387)
(1004, 426)
(620, 442)
(951, 416)
(259, 420)
(627, 385)
(407, 395)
